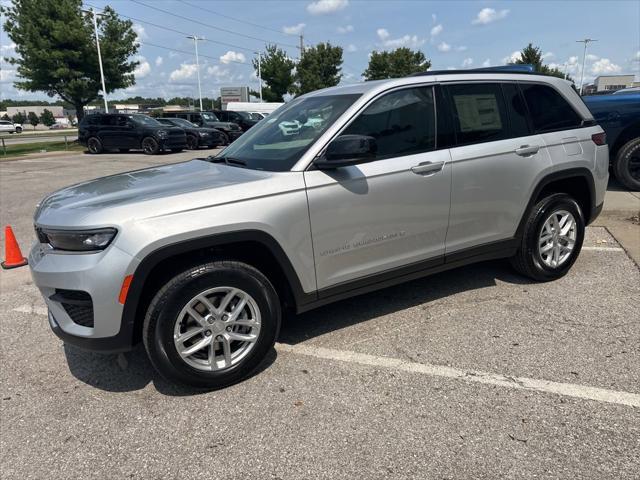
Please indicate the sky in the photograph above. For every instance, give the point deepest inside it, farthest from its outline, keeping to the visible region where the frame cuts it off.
(452, 34)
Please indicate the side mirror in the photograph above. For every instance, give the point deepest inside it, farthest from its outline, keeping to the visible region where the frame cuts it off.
(348, 150)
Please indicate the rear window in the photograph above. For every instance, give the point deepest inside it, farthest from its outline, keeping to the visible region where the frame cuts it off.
(549, 110)
(479, 113)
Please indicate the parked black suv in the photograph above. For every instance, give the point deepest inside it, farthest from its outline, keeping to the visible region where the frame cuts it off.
(209, 120)
(196, 136)
(243, 119)
(124, 132)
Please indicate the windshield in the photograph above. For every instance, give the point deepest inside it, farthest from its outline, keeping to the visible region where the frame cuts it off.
(146, 121)
(180, 122)
(209, 117)
(279, 141)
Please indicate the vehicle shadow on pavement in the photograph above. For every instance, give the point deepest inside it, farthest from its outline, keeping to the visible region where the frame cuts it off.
(131, 371)
(343, 314)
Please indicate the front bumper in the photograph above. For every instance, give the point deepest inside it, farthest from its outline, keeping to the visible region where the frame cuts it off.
(98, 274)
(174, 142)
(234, 134)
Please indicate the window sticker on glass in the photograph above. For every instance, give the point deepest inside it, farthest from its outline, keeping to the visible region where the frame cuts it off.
(477, 112)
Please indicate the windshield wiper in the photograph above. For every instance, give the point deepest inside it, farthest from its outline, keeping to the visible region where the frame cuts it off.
(228, 160)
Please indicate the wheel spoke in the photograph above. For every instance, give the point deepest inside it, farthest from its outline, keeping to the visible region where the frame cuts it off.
(226, 300)
(189, 334)
(196, 316)
(238, 308)
(546, 248)
(187, 352)
(226, 351)
(242, 337)
(205, 301)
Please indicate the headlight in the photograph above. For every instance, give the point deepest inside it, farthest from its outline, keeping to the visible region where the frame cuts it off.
(162, 133)
(77, 240)
(203, 134)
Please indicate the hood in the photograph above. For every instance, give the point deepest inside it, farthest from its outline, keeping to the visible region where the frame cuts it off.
(149, 192)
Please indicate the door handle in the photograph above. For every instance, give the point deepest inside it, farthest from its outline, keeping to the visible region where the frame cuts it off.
(527, 150)
(427, 167)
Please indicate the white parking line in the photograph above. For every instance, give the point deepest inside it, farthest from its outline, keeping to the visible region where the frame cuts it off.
(604, 249)
(30, 309)
(519, 383)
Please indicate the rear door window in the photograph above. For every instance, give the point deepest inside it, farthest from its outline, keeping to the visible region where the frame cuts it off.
(517, 110)
(479, 113)
(548, 108)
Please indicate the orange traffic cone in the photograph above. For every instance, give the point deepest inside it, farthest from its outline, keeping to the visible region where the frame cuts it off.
(13, 256)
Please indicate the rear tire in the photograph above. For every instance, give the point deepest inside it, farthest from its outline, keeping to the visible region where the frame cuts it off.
(627, 165)
(192, 142)
(94, 145)
(221, 357)
(550, 247)
(150, 146)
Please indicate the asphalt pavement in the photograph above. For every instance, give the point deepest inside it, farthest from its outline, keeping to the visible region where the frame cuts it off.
(473, 373)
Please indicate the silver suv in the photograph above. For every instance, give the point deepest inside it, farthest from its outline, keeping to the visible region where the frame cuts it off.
(383, 182)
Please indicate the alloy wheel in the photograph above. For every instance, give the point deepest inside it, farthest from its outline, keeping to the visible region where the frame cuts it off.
(557, 238)
(217, 329)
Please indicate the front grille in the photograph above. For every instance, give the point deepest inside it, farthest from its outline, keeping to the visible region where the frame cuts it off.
(77, 304)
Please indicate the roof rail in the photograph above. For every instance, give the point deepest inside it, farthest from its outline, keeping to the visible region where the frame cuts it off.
(512, 68)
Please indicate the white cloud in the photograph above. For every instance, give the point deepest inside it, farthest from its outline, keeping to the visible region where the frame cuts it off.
(461, 48)
(488, 15)
(322, 7)
(434, 18)
(220, 74)
(352, 48)
(231, 56)
(294, 29)
(592, 58)
(186, 71)
(159, 61)
(437, 30)
(604, 66)
(7, 75)
(467, 62)
(346, 29)
(548, 55)
(444, 47)
(143, 69)
(486, 63)
(405, 41)
(8, 48)
(141, 34)
(636, 58)
(512, 58)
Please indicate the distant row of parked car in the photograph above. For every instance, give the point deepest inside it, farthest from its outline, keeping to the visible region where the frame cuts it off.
(175, 131)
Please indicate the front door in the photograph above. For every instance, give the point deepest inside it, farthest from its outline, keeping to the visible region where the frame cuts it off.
(389, 213)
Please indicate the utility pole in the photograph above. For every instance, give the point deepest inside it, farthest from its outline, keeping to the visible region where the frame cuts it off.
(586, 41)
(195, 42)
(260, 74)
(301, 47)
(95, 28)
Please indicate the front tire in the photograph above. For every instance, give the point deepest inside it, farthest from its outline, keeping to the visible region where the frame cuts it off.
(627, 165)
(551, 240)
(192, 142)
(212, 325)
(94, 145)
(150, 146)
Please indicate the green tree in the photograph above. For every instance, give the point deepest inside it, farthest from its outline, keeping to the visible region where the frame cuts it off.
(400, 62)
(531, 55)
(33, 119)
(6, 117)
(318, 68)
(277, 73)
(19, 118)
(56, 49)
(47, 118)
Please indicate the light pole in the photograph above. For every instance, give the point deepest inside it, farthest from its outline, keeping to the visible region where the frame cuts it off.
(95, 28)
(195, 42)
(259, 74)
(584, 58)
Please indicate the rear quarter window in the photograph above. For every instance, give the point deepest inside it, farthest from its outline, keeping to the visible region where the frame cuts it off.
(549, 110)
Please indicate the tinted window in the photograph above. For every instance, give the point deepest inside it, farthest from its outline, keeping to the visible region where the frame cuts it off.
(479, 113)
(402, 122)
(549, 110)
(517, 110)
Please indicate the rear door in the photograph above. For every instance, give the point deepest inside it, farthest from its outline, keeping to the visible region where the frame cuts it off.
(389, 213)
(496, 160)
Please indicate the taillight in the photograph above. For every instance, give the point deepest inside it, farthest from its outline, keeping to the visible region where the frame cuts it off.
(599, 138)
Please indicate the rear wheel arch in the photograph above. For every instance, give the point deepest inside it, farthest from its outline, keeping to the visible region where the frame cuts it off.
(576, 182)
(254, 247)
